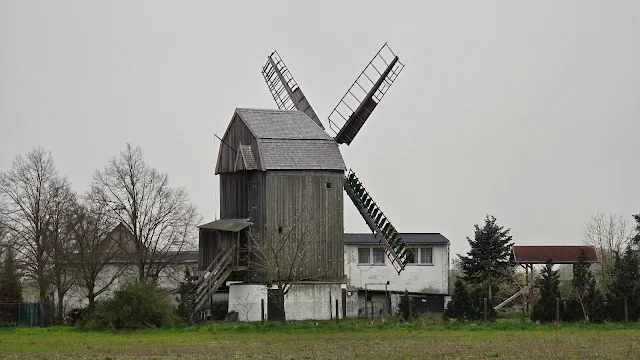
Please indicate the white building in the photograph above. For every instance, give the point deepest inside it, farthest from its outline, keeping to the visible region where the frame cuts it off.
(373, 285)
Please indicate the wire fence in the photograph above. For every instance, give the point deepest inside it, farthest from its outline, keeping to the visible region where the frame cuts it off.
(23, 314)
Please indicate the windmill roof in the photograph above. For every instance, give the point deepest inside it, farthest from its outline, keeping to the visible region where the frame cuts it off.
(409, 238)
(558, 254)
(282, 124)
(287, 140)
(286, 154)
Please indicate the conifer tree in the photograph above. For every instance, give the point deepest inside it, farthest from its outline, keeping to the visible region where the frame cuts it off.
(186, 301)
(585, 300)
(460, 305)
(545, 309)
(486, 263)
(625, 284)
(10, 288)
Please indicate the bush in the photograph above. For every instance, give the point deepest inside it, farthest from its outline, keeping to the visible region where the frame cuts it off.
(133, 306)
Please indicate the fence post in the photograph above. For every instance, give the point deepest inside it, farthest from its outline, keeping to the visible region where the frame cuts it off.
(262, 310)
(410, 303)
(626, 310)
(337, 311)
(557, 309)
(485, 308)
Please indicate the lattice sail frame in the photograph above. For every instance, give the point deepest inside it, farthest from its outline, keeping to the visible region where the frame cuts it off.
(382, 70)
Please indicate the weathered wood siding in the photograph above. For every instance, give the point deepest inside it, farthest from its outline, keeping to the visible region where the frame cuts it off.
(237, 133)
(242, 195)
(207, 248)
(292, 193)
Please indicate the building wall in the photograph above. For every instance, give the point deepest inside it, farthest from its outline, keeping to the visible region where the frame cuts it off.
(303, 302)
(309, 200)
(237, 133)
(168, 281)
(432, 279)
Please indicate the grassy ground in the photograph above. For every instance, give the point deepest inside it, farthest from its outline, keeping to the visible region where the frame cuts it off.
(425, 338)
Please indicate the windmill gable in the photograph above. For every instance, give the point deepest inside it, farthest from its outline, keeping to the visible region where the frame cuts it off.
(276, 140)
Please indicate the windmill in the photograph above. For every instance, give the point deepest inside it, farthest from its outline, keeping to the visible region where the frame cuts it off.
(345, 121)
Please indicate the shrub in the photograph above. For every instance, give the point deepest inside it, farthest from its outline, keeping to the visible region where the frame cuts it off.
(133, 306)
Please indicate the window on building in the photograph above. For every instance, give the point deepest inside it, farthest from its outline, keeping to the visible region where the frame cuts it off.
(370, 255)
(378, 255)
(426, 255)
(421, 255)
(413, 258)
(364, 255)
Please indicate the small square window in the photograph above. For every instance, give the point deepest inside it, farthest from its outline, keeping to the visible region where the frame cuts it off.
(364, 255)
(413, 258)
(328, 185)
(378, 255)
(426, 256)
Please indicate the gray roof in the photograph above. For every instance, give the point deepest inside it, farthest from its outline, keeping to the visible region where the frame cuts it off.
(281, 124)
(289, 140)
(233, 225)
(300, 154)
(409, 238)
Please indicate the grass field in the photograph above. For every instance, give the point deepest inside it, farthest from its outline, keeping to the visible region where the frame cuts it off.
(425, 338)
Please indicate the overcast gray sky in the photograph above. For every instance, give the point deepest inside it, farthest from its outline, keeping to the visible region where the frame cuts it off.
(529, 111)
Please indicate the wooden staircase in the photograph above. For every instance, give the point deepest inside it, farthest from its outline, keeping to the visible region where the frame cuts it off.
(214, 276)
(395, 248)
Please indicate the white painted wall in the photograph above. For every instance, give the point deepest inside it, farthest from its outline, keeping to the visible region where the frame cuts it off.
(245, 299)
(169, 279)
(303, 302)
(432, 279)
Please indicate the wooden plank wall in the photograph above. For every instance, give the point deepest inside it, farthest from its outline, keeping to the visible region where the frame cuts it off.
(237, 133)
(242, 195)
(291, 193)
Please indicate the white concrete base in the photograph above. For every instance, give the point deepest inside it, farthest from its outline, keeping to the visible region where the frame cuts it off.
(306, 301)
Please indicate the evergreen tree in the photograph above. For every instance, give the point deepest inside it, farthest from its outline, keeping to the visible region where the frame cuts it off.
(584, 298)
(486, 264)
(10, 288)
(460, 305)
(625, 283)
(187, 298)
(545, 309)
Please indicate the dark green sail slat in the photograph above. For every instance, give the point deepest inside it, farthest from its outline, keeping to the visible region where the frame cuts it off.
(395, 247)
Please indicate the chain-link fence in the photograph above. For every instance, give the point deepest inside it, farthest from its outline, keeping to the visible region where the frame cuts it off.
(23, 314)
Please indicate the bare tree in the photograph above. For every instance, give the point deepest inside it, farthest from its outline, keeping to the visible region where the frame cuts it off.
(161, 218)
(58, 242)
(279, 258)
(609, 234)
(97, 244)
(27, 193)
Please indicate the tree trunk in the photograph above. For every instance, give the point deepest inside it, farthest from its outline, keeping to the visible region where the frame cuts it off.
(283, 319)
(60, 307)
(92, 301)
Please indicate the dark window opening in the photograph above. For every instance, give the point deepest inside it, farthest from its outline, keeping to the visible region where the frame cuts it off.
(328, 185)
(279, 229)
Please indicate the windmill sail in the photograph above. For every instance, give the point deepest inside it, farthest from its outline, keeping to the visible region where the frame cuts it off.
(394, 246)
(357, 104)
(285, 89)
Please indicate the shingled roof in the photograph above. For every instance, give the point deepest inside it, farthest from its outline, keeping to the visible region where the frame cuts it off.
(281, 124)
(288, 140)
(566, 254)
